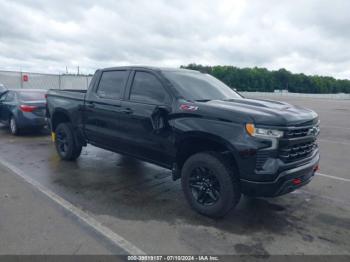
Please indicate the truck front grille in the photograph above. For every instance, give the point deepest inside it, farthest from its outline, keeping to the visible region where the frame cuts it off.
(302, 132)
(297, 151)
(297, 133)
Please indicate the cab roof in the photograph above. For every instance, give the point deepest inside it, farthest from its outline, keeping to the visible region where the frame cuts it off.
(168, 69)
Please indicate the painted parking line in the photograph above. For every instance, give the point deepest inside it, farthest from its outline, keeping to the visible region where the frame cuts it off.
(83, 216)
(334, 177)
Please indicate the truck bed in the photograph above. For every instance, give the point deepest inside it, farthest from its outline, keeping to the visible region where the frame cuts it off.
(68, 93)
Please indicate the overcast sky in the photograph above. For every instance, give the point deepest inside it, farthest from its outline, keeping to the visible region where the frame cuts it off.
(309, 36)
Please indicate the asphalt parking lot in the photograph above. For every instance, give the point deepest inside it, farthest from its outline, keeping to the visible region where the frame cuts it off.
(140, 203)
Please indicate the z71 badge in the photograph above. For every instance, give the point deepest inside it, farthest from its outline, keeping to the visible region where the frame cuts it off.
(188, 108)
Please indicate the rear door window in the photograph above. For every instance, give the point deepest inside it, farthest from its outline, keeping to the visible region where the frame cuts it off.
(112, 84)
(146, 88)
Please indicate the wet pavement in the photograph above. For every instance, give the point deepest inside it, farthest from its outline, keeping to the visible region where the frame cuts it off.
(140, 202)
(31, 223)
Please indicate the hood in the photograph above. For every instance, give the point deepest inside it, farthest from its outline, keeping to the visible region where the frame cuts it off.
(266, 112)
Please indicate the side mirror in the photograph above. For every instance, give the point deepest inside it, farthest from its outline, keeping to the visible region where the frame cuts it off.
(159, 118)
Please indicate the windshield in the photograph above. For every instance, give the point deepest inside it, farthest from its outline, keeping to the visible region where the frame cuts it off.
(196, 86)
(32, 95)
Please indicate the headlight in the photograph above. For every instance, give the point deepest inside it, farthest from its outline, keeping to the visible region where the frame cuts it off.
(262, 132)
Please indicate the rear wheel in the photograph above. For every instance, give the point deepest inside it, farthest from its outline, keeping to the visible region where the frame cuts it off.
(66, 145)
(210, 184)
(13, 126)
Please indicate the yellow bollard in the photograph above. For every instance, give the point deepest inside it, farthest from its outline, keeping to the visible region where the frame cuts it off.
(53, 136)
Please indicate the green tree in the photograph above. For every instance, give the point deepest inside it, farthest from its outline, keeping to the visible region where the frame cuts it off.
(261, 79)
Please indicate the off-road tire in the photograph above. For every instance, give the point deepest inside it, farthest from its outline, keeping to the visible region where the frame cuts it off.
(226, 176)
(66, 145)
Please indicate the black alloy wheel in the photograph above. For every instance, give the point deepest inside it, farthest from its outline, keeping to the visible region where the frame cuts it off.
(210, 183)
(62, 142)
(205, 186)
(66, 143)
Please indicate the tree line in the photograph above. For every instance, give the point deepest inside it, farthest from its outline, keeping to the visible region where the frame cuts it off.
(263, 80)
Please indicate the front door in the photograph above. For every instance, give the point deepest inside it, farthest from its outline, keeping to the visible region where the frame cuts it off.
(2, 107)
(143, 124)
(7, 102)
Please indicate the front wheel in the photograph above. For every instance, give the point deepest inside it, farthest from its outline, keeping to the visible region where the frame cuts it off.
(210, 184)
(66, 144)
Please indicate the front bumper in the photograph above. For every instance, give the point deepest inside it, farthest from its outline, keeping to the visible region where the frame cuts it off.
(285, 181)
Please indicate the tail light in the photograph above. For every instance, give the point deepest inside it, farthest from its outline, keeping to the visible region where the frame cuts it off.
(26, 108)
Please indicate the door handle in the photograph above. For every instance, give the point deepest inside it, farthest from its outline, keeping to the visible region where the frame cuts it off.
(127, 111)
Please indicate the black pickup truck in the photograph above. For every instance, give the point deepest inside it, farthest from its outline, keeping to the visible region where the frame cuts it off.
(220, 144)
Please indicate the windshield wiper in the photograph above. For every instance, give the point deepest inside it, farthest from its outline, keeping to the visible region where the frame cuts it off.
(202, 100)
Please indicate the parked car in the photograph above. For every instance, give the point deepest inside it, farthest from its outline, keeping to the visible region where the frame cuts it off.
(23, 109)
(219, 143)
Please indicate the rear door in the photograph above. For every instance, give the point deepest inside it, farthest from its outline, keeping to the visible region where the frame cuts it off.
(146, 106)
(102, 108)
